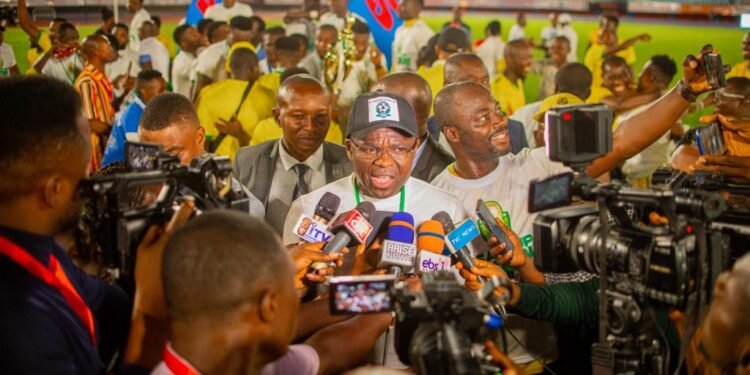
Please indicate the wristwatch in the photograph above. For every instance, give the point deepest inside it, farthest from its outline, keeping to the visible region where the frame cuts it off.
(685, 92)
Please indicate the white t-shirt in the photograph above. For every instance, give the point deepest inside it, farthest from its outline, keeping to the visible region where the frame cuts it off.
(361, 77)
(490, 51)
(572, 35)
(549, 33)
(182, 68)
(159, 55)
(209, 62)
(119, 67)
(652, 157)
(421, 200)
(516, 32)
(525, 115)
(66, 69)
(218, 12)
(139, 18)
(407, 43)
(7, 59)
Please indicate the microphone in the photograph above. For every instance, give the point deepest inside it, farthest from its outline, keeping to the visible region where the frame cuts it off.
(398, 248)
(350, 227)
(458, 238)
(314, 229)
(430, 244)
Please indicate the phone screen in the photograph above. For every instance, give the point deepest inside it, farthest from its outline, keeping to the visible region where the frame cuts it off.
(361, 294)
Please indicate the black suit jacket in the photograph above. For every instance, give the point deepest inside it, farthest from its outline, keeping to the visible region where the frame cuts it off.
(254, 166)
(434, 159)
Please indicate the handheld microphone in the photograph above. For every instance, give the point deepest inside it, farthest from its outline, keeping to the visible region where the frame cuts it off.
(430, 244)
(314, 229)
(398, 248)
(350, 227)
(459, 238)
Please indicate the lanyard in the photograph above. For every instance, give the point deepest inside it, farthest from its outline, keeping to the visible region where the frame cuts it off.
(53, 276)
(402, 201)
(177, 365)
(73, 66)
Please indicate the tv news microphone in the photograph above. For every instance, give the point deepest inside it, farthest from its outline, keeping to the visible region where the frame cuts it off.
(398, 250)
(350, 227)
(430, 244)
(314, 229)
(459, 238)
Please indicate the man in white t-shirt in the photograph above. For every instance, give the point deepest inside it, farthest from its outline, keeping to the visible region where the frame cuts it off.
(381, 141)
(158, 55)
(337, 15)
(567, 31)
(228, 9)
(189, 40)
(63, 61)
(8, 64)
(550, 32)
(140, 15)
(518, 31)
(492, 48)
(410, 37)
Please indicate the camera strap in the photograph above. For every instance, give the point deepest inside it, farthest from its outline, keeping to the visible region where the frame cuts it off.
(55, 277)
(214, 144)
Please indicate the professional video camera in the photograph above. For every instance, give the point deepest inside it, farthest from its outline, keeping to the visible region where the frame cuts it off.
(123, 206)
(652, 248)
(447, 323)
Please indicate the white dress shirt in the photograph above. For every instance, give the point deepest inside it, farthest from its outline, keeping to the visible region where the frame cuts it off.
(407, 43)
(182, 68)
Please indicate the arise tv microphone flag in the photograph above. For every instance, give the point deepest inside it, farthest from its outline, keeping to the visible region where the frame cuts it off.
(382, 18)
(197, 9)
(398, 247)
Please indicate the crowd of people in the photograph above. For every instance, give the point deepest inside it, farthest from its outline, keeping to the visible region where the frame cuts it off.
(441, 125)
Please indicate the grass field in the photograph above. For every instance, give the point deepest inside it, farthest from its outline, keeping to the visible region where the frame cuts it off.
(670, 39)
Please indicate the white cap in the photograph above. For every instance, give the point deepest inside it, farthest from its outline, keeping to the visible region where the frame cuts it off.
(564, 18)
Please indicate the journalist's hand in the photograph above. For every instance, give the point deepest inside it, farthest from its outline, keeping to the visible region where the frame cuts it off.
(304, 256)
(736, 168)
(694, 73)
(484, 269)
(739, 126)
(515, 258)
(149, 290)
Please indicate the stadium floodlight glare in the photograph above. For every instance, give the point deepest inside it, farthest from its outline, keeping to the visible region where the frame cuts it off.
(745, 21)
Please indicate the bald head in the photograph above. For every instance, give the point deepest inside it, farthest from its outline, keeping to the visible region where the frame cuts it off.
(463, 67)
(448, 108)
(96, 49)
(244, 64)
(574, 78)
(299, 83)
(414, 89)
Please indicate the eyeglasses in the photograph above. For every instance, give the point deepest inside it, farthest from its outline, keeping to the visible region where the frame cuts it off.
(372, 152)
(721, 94)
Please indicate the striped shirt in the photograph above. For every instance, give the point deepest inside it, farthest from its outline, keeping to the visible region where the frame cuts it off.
(96, 98)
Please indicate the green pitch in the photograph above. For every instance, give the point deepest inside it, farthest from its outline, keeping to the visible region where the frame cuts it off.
(673, 40)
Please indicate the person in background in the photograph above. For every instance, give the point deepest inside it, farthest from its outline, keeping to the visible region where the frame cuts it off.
(301, 41)
(492, 48)
(269, 47)
(140, 15)
(549, 33)
(610, 45)
(152, 54)
(742, 68)
(126, 65)
(450, 41)
(229, 110)
(287, 54)
(336, 16)
(507, 86)
(108, 22)
(458, 13)
(164, 39)
(518, 30)
(228, 9)
(572, 78)
(410, 37)
(202, 27)
(189, 40)
(97, 94)
(149, 84)
(8, 65)
(616, 83)
(313, 62)
(64, 61)
(558, 51)
(217, 31)
(568, 32)
(279, 171)
(40, 40)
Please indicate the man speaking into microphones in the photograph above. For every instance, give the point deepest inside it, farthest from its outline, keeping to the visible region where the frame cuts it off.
(381, 142)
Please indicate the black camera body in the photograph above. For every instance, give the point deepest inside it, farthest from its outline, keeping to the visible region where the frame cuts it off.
(578, 134)
(123, 206)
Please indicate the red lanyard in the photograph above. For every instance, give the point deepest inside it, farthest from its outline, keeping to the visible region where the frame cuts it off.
(177, 365)
(53, 276)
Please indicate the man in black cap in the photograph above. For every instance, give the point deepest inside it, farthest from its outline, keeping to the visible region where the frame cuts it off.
(381, 141)
(210, 63)
(451, 41)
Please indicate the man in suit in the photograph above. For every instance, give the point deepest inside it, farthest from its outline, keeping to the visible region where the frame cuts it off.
(279, 171)
(431, 158)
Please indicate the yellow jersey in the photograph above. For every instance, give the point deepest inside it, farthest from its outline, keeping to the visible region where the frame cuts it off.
(740, 69)
(595, 57)
(510, 95)
(33, 55)
(220, 100)
(168, 43)
(434, 76)
(268, 130)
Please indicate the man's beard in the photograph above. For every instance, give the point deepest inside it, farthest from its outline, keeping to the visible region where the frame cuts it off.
(70, 218)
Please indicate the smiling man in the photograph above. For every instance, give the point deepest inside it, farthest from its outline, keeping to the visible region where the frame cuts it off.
(381, 141)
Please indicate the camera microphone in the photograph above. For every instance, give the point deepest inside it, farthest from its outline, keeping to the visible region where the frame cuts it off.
(315, 229)
(430, 245)
(398, 248)
(459, 238)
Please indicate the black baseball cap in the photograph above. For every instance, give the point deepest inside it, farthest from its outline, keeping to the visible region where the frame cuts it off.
(241, 23)
(379, 110)
(453, 39)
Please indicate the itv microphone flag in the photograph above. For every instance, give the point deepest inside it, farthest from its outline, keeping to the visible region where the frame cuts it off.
(197, 9)
(382, 17)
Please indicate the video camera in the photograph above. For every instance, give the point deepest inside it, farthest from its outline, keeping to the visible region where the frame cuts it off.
(652, 248)
(445, 321)
(123, 206)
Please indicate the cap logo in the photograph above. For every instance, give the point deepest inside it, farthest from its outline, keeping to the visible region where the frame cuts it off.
(383, 108)
(562, 100)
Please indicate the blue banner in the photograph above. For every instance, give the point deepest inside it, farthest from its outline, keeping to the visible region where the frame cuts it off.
(196, 9)
(382, 17)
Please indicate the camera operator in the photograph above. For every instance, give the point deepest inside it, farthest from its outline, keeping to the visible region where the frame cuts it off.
(171, 121)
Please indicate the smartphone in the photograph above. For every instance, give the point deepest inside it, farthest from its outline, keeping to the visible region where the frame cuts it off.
(488, 220)
(714, 70)
(710, 140)
(142, 156)
(361, 294)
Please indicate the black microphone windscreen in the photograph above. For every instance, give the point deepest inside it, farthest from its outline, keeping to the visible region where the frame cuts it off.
(328, 206)
(445, 220)
(366, 209)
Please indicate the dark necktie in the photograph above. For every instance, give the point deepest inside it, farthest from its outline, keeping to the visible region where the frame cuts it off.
(301, 188)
